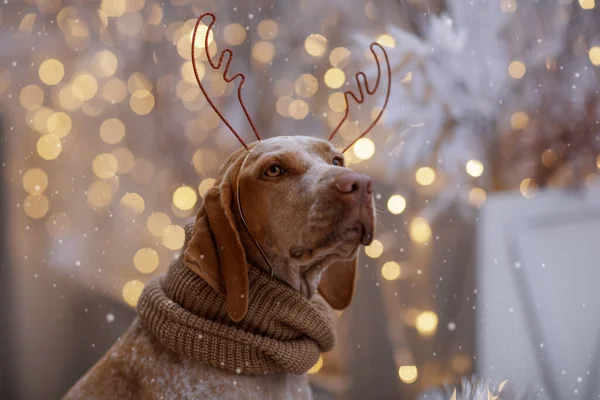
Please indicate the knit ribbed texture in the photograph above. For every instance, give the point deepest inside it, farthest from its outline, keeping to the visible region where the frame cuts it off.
(282, 331)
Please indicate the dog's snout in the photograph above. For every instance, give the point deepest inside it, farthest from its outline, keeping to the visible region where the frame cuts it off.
(354, 185)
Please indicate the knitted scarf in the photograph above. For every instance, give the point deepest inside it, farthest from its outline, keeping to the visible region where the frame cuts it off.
(282, 331)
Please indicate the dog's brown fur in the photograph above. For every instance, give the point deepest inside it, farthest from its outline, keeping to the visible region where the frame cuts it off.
(310, 229)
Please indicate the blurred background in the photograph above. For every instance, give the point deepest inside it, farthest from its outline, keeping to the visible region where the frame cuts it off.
(486, 168)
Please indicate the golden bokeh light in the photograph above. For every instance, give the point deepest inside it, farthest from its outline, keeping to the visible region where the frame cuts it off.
(125, 159)
(130, 23)
(59, 124)
(185, 198)
(132, 289)
(84, 87)
(49, 147)
(58, 225)
(132, 203)
(306, 85)
(205, 185)
(234, 34)
(315, 45)
(51, 72)
(141, 102)
(598, 161)
(187, 72)
(426, 323)
(138, 81)
(508, 5)
(334, 78)
(425, 176)
(386, 40)
(283, 105)
(340, 57)
(200, 36)
(31, 97)
(375, 249)
(408, 373)
(99, 194)
(112, 130)
(36, 206)
(364, 148)
(337, 102)
(587, 4)
(477, 197)
(40, 119)
(396, 204)
(105, 166)
(263, 51)
(146, 260)
(317, 367)
(113, 8)
(420, 231)
(519, 120)
(157, 223)
(528, 188)
(474, 168)
(204, 160)
(35, 181)
(66, 98)
(267, 29)
(594, 55)
(298, 109)
(104, 64)
(173, 237)
(390, 271)
(516, 69)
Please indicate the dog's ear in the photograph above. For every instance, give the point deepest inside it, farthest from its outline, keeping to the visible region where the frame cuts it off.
(215, 251)
(337, 283)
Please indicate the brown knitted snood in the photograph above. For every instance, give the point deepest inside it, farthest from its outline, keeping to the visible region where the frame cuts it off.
(282, 331)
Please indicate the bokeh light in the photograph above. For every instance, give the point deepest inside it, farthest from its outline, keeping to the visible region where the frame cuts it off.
(132, 202)
(587, 4)
(396, 204)
(51, 71)
(426, 323)
(112, 130)
(105, 166)
(99, 194)
(298, 109)
(317, 367)
(59, 124)
(31, 97)
(364, 148)
(35, 181)
(386, 40)
(390, 270)
(49, 147)
(146, 260)
(425, 176)
(36, 206)
(267, 29)
(173, 237)
(420, 231)
(315, 45)
(477, 197)
(184, 198)
(141, 102)
(340, 57)
(234, 34)
(528, 188)
(594, 55)
(408, 373)
(84, 87)
(306, 85)
(263, 51)
(474, 168)
(375, 249)
(132, 290)
(519, 120)
(157, 223)
(105, 64)
(58, 225)
(516, 69)
(205, 185)
(334, 78)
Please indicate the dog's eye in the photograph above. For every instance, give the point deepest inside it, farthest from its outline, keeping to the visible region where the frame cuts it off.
(338, 162)
(274, 171)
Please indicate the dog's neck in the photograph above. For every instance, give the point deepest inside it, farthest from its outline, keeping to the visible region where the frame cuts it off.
(304, 278)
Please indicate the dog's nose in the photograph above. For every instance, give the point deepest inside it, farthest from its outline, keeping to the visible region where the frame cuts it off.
(354, 185)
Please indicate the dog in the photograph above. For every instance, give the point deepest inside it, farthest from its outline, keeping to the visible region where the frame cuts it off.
(292, 198)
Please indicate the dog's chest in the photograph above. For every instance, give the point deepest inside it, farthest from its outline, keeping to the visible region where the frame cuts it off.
(170, 376)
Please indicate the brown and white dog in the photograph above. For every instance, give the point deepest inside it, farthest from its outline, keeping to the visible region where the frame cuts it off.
(308, 212)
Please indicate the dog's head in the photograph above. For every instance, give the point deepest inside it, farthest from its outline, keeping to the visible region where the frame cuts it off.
(302, 205)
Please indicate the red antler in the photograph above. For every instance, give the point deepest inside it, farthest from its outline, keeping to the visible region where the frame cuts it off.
(216, 67)
(361, 96)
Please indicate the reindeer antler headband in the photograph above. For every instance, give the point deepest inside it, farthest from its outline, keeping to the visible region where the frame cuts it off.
(227, 52)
